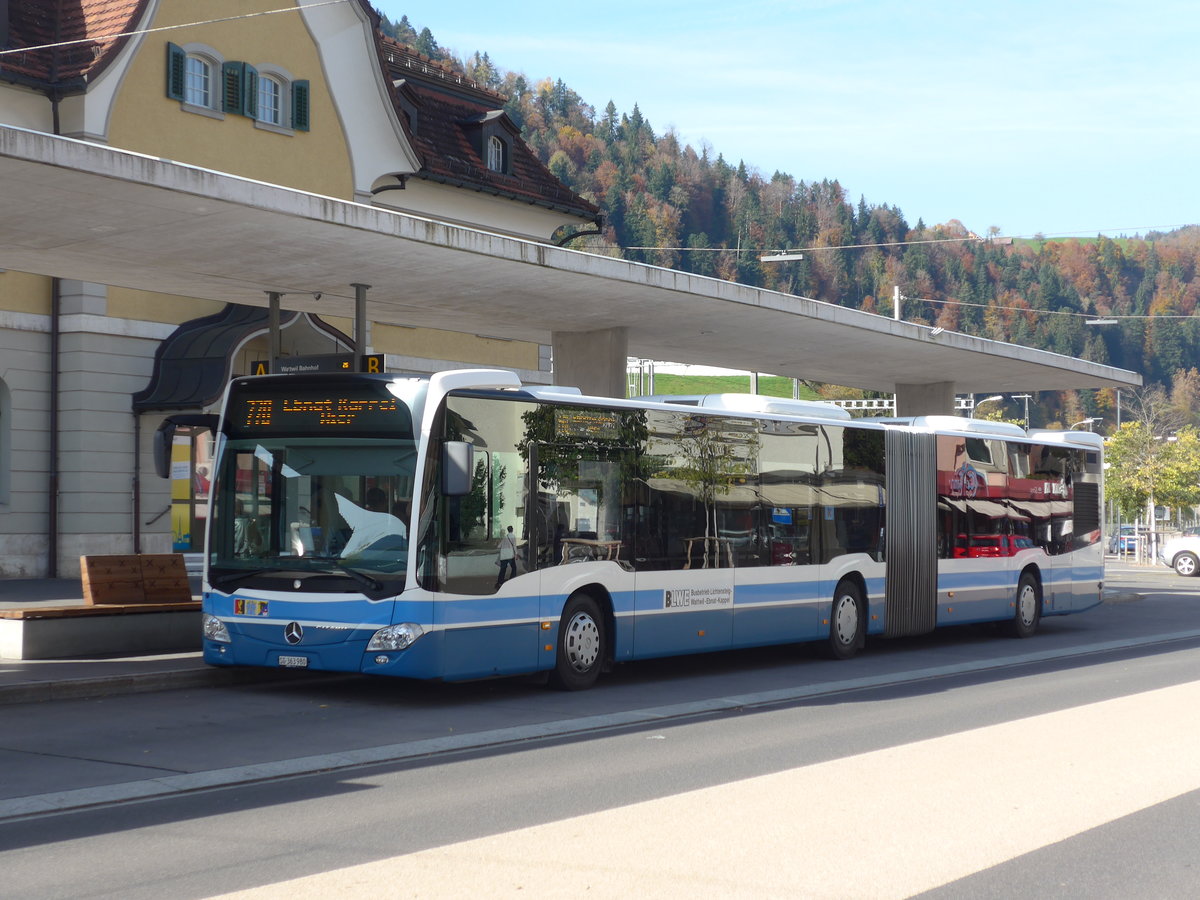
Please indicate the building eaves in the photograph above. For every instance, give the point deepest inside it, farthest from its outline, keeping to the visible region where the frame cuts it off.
(69, 44)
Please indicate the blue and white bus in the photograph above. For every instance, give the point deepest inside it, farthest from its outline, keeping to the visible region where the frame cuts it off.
(356, 520)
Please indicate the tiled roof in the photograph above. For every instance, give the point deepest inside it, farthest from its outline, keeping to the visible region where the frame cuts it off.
(36, 23)
(448, 105)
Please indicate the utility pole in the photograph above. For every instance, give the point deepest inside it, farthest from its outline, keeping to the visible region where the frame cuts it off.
(1026, 398)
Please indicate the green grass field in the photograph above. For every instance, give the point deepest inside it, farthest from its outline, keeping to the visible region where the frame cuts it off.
(768, 385)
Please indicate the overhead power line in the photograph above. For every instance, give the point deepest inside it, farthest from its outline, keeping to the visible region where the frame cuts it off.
(972, 238)
(100, 38)
(957, 240)
(1049, 312)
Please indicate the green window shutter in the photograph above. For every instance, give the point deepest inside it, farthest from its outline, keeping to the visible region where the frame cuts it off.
(176, 62)
(233, 77)
(250, 92)
(300, 106)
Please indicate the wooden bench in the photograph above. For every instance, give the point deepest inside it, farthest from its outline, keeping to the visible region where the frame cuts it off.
(138, 603)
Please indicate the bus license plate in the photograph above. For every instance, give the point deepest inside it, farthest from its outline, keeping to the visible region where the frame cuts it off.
(293, 662)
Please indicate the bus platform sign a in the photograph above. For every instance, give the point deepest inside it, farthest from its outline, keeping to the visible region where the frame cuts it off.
(325, 362)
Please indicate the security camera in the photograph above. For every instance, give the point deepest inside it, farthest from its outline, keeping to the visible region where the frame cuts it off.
(316, 295)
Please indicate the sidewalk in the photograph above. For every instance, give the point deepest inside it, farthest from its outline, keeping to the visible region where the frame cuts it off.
(23, 681)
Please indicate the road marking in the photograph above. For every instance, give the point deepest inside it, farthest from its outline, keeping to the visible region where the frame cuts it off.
(885, 824)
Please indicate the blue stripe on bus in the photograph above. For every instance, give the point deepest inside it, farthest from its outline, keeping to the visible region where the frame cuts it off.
(479, 636)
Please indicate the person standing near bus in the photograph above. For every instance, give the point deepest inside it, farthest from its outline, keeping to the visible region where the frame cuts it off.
(507, 556)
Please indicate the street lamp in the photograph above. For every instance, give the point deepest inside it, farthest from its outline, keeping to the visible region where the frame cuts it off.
(1088, 422)
(1026, 398)
(983, 401)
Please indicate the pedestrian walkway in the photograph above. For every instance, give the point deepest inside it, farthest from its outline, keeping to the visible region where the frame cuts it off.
(891, 823)
(23, 681)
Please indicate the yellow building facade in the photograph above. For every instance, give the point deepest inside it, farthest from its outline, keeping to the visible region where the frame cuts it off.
(306, 98)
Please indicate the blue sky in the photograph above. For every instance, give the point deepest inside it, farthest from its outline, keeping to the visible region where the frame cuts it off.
(1054, 116)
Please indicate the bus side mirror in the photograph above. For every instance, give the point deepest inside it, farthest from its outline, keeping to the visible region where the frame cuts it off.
(164, 438)
(457, 468)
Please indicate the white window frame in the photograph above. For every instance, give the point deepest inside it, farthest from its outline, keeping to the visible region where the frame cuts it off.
(271, 93)
(216, 89)
(495, 154)
(283, 79)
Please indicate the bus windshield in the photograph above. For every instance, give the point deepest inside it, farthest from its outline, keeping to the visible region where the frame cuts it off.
(294, 507)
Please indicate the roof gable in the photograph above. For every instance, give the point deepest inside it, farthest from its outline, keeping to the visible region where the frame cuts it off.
(453, 118)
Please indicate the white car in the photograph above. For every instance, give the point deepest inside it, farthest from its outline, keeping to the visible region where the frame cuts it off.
(1182, 554)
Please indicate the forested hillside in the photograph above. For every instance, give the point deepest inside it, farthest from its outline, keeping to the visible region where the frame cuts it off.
(714, 217)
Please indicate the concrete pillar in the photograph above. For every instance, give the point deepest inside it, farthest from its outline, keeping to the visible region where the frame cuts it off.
(593, 361)
(935, 399)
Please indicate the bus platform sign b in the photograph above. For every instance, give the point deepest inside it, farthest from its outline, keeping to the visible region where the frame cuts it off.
(326, 362)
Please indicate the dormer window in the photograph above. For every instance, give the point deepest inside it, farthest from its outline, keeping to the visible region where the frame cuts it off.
(492, 135)
(497, 155)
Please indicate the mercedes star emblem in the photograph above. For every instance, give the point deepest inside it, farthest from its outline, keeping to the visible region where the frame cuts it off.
(293, 633)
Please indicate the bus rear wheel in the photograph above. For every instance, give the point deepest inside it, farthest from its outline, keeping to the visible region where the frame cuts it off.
(1029, 607)
(845, 621)
(582, 644)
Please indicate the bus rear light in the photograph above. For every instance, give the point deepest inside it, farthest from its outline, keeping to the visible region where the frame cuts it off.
(396, 637)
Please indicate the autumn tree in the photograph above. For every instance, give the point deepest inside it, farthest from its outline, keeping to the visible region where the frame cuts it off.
(1152, 461)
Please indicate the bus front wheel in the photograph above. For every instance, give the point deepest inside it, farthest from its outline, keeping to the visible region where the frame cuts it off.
(845, 621)
(582, 644)
(1029, 607)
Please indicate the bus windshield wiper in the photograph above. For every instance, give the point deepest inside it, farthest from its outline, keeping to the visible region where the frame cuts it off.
(361, 577)
(230, 577)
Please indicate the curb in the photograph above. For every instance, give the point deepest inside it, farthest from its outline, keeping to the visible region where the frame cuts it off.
(147, 682)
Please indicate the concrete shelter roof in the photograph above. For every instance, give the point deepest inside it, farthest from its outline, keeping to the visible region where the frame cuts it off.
(84, 211)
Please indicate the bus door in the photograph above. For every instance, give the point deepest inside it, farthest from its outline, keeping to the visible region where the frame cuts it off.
(684, 579)
(575, 526)
(690, 524)
(1047, 497)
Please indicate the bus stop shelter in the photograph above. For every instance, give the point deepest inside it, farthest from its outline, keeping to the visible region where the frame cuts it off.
(83, 211)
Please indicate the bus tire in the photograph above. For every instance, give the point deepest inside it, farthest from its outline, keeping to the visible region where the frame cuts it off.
(845, 621)
(1186, 564)
(582, 645)
(1028, 613)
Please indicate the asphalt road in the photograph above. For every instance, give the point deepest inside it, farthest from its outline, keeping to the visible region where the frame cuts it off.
(960, 763)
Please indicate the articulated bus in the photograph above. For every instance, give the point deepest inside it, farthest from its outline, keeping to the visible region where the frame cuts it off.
(355, 522)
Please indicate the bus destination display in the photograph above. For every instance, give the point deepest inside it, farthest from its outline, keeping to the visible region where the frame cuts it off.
(316, 414)
(575, 422)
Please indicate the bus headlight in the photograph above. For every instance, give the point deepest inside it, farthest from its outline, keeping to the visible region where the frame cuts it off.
(214, 629)
(396, 637)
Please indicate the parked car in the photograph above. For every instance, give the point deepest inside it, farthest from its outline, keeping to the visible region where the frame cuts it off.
(1125, 541)
(1182, 554)
(990, 545)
